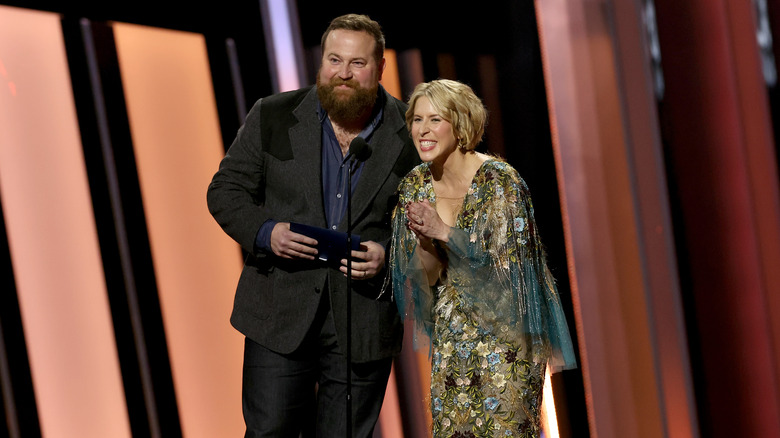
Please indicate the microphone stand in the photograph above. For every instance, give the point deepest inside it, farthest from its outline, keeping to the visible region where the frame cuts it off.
(357, 148)
(349, 298)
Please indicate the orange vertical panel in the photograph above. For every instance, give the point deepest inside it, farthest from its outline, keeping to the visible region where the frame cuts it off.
(646, 158)
(424, 364)
(390, 415)
(390, 79)
(421, 423)
(176, 136)
(620, 255)
(52, 235)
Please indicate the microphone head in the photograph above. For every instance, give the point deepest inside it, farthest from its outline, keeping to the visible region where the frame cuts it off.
(359, 148)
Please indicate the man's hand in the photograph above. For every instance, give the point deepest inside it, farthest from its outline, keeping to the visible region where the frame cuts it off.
(371, 260)
(289, 245)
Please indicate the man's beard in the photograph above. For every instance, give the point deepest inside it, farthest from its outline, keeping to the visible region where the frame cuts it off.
(346, 109)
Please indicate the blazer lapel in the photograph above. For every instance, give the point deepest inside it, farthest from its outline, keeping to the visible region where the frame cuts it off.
(305, 140)
(386, 146)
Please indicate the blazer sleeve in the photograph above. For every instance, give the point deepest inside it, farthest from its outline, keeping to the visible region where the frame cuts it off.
(235, 196)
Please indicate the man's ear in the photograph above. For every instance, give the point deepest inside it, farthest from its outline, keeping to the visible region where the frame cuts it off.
(382, 65)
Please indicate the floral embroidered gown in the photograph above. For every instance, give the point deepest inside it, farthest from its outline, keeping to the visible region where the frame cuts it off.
(494, 319)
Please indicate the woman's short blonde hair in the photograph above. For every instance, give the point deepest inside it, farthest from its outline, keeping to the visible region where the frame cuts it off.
(456, 103)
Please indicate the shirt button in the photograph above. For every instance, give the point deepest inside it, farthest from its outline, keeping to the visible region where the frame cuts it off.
(333, 227)
(338, 195)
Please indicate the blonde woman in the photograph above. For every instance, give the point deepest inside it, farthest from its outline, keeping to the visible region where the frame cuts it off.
(467, 265)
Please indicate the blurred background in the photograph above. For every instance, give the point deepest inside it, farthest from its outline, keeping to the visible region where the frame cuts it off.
(645, 130)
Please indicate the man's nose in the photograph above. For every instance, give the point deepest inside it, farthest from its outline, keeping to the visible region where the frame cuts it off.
(345, 72)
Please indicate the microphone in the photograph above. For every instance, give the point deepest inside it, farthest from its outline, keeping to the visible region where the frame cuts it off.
(358, 149)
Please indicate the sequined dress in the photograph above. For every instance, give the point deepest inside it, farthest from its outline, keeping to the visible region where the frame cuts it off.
(494, 320)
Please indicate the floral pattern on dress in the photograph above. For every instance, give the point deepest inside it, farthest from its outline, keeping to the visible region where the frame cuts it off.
(494, 320)
(481, 384)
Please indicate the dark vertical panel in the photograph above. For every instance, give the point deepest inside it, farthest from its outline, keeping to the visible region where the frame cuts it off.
(94, 132)
(18, 398)
(773, 89)
(430, 65)
(228, 86)
(528, 146)
(238, 60)
(121, 229)
(410, 70)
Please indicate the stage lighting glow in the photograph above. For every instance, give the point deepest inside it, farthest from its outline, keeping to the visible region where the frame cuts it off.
(278, 19)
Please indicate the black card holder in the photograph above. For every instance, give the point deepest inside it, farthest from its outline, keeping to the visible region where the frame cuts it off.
(331, 244)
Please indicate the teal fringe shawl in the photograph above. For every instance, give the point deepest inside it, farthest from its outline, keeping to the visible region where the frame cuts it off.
(495, 260)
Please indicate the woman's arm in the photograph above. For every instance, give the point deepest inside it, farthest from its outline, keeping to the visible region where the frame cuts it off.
(430, 260)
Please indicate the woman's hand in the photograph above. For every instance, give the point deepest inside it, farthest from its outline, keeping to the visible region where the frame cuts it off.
(424, 221)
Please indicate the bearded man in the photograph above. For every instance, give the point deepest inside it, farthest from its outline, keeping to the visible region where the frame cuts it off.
(289, 163)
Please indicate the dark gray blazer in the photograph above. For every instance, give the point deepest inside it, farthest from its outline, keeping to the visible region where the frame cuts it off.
(273, 170)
